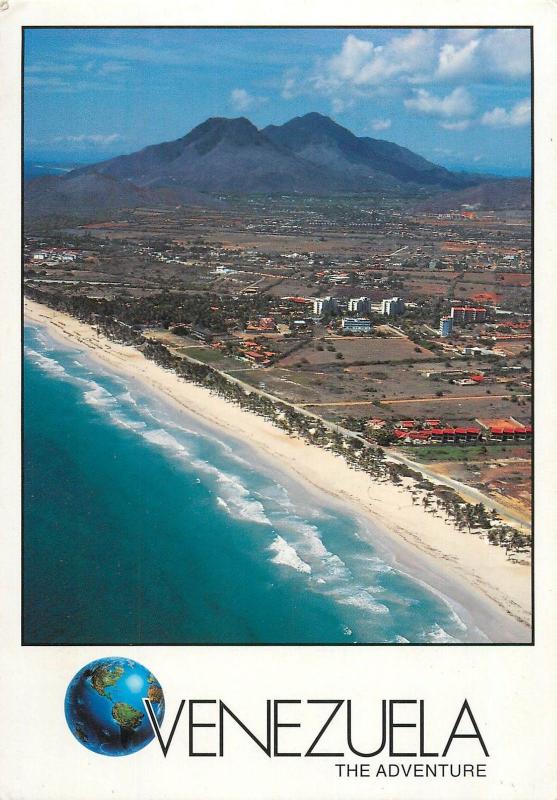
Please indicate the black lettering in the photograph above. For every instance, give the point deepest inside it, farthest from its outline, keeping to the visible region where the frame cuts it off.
(349, 730)
(393, 725)
(265, 747)
(155, 724)
(278, 725)
(338, 704)
(193, 725)
(454, 735)
(422, 733)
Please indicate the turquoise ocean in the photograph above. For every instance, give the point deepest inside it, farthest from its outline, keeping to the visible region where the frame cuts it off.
(144, 525)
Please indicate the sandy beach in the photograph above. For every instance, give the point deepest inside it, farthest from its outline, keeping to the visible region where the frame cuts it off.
(494, 592)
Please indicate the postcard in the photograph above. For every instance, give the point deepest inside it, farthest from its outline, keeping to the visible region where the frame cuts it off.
(273, 284)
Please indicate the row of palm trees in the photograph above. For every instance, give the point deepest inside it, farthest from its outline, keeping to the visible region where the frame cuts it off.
(357, 452)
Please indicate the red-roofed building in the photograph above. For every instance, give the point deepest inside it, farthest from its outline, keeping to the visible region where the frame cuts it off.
(468, 314)
(508, 432)
(299, 300)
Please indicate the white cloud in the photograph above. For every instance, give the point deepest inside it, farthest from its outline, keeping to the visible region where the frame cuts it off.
(381, 124)
(66, 83)
(501, 54)
(338, 105)
(41, 69)
(506, 52)
(455, 126)
(462, 35)
(457, 103)
(90, 138)
(112, 67)
(361, 63)
(46, 83)
(515, 117)
(290, 88)
(242, 100)
(455, 61)
(355, 54)
(148, 55)
(366, 66)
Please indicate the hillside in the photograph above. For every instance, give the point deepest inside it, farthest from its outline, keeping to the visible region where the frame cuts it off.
(308, 155)
(511, 193)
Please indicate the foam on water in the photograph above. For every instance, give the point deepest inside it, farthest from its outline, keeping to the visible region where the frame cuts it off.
(308, 534)
(376, 564)
(238, 500)
(452, 614)
(162, 438)
(98, 396)
(129, 424)
(330, 574)
(345, 570)
(439, 635)
(126, 397)
(360, 599)
(45, 363)
(286, 555)
(236, 497)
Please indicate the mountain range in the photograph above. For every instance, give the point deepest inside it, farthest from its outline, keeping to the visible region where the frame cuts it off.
(311, 154)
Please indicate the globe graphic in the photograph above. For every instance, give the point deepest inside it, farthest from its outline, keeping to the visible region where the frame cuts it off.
(104, 706)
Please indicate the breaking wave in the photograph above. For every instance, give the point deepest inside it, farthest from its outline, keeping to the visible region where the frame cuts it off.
(286, 555)
(439, 635)
(164, 440)
(45, 363)
(370, 603)
(98, 396)
(234, 498)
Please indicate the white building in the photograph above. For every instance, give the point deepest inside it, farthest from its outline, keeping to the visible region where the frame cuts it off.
(356, 325)
(392, 307)
(445, 326)
(324, 305)
(360, 305)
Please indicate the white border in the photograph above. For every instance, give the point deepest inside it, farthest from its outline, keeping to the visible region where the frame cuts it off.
(512, 689)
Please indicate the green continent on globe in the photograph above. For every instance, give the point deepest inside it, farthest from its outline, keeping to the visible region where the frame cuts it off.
(151, 678)
(104, 676)
(127, 716)
(154, 693)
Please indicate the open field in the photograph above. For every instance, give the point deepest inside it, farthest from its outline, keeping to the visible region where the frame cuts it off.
(507, 479)
(468, 453)
(246, 259)
(362, 348)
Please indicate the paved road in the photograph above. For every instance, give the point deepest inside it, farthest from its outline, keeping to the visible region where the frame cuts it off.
(416, 400)
(462, 488)
(451, 399)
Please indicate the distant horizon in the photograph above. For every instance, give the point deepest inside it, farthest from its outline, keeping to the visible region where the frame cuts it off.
(458, 97)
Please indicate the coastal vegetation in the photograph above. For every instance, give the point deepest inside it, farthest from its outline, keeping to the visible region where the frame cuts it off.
(122, 322)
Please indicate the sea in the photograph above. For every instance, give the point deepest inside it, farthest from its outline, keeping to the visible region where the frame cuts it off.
(37, 169)
(145, 525)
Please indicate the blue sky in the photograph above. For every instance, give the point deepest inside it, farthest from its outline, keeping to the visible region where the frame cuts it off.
(459, 97)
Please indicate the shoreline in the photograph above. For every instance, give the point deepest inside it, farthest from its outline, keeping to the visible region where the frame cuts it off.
(492, 593)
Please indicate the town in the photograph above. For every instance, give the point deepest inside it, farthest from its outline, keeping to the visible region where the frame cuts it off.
(408, 326)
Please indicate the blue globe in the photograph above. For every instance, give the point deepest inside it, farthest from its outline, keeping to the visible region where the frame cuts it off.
(104, 706)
